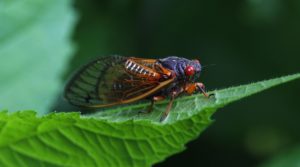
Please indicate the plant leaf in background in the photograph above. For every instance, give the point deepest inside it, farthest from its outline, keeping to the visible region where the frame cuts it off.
(35, 47)
(285, 159)
(116, 137)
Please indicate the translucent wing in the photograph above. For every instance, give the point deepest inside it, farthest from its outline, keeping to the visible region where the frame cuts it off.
(106, 82)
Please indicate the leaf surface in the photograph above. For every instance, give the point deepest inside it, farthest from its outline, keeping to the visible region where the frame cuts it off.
(116, 137)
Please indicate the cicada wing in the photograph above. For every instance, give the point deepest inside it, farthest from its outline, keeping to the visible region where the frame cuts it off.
(83, 88)
(105, 82)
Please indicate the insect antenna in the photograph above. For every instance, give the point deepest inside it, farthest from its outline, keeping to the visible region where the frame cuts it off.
(205, 66)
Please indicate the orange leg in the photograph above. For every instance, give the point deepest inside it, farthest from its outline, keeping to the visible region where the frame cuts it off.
(198, 86)
(190, 89)
(201, 87)
(168, 109)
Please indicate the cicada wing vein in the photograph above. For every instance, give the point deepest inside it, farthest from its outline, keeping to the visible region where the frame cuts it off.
(105, 82)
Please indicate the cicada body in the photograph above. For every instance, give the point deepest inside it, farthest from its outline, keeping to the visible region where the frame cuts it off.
(114, 80)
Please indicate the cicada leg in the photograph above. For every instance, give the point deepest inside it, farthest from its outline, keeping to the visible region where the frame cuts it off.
(201, 87)
(168, 109)
(174, 94)
(198, 86)
(153, 100)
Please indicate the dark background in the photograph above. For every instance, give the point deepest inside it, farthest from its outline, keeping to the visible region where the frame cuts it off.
(247, 40)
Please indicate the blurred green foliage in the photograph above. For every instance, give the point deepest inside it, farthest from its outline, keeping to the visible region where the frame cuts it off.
(289, 157)
(35, 46)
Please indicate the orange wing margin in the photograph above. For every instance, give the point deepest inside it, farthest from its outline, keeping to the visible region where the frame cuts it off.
(142, 96)
(106, 82)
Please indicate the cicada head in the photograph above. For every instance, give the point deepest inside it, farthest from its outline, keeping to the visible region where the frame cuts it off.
(184, 69)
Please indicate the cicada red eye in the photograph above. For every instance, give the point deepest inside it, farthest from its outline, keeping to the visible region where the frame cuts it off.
(189, 70)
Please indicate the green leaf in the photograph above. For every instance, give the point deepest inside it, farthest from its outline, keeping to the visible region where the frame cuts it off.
(116, 137)
(34, 48)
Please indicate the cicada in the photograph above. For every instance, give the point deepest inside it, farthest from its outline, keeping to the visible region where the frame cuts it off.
(115, 80)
